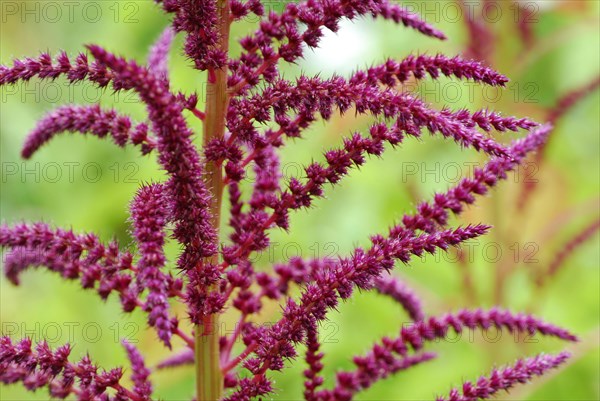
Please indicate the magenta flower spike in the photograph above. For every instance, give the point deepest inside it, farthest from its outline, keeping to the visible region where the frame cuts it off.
(150, 214)
(420, 66)
(90, 119)
(402, 294)
(42, 367)
(158, 58)
(139, 372)
(503, 379)
(569, 248)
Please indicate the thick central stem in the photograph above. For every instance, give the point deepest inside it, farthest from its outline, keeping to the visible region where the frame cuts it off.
(209, 380)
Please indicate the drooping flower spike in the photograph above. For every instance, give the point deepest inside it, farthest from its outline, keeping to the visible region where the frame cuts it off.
(92, 119)
(432, 214)
(140, 374)
(567, 250)
(393, 355)
(150, 214)
(401, 293)
(42, 367)
(73, 256)
(503, 379)
(158, 58)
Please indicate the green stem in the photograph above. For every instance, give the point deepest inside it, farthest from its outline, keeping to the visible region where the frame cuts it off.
(209, 379)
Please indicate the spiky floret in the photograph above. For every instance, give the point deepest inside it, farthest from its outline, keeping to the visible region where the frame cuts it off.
(88, 119)
(42, 367)
(503, 379)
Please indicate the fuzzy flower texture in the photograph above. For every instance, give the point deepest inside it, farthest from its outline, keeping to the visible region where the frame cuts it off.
(251, 111)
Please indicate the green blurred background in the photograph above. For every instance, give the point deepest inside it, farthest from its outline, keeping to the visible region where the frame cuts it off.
(86, 184)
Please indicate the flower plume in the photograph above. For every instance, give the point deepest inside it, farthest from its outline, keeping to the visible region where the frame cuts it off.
(503, 379)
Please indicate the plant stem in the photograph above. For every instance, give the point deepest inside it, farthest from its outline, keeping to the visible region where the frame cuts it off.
(209, 380)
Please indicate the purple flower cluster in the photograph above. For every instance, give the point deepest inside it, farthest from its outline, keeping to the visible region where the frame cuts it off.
(504, 379)
(251, 112)
(73, 256)
(568, 248)
(149, 213)
(90, 119)
(402, 294)
(392, 355)
(42, 367)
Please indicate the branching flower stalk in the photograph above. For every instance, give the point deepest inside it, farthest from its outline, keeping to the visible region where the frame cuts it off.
(251, 111)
